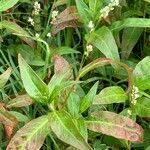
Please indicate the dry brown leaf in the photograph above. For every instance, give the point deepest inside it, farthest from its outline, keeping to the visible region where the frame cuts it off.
(68, 18)
(8, 120)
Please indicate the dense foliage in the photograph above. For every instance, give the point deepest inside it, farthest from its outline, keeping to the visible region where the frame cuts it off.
(74, 74)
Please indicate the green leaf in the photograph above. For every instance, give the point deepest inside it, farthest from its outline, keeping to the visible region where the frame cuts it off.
(30, 136)
(142, 108)
(141, 74)
(87, 100)
(34, 86)
(129, 39)
(115, 125)
(83, 11)
(4, 77)
(15, 28)
(130, 22)
(109, 95)
(63, 126)
(6, 4)
(73, 103)
(20, 117)
(20, 101)
(81, 125)
(105, 42)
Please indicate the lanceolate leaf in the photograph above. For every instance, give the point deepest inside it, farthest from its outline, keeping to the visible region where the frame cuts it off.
(34, 86)
(141, 74)
(63, 126)
(20, 101)
(103, 40)
(15, 28)
(31, 136)
(73, 103)
(129, 39)
(88, 99)
(109, 95)
(130, 22)
(83, 11)
(6, 4)
(142, 108)
(115, 125)
(4, 77)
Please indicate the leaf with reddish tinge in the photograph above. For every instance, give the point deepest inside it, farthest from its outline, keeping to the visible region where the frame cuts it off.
(20, 101)
(4, 77)
(31, 136)
(115, 125)
(68, 18)
(60, 64)
(8, 120)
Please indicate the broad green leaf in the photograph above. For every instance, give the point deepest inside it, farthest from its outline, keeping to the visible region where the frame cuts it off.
(130, 22)
(103, 40)
(142, 108)
(94, 64)
(30, 136)
(87, 100)
(34, 86)
(115, 125)
(6, 4)
(63, 126)
(141, 74)
(129, 39)
(20, 117)
(15, 28)
(83, 11)
(4, 77)
(109, 95)
(20, 101)
(73, 104)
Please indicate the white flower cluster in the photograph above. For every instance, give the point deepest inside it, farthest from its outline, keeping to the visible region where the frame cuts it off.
(134, 95)
(31, 21)
(91, 26)
(54, 14)
(105, 11)
(89, 49)
(37, 8)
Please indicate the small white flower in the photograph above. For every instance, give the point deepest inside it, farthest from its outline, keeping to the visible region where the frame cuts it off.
(37, 35)
(31, 21)
(49, 35)
(37, 8)
(89, 48)
(54, 14)
(91, 25)
(129, 112)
